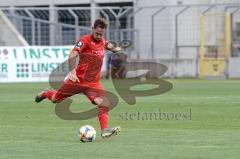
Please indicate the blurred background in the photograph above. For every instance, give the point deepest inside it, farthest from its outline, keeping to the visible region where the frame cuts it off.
(198, 41)
(193, 38)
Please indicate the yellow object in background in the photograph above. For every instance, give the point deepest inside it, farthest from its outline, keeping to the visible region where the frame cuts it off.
(212, 67)
(215, 44)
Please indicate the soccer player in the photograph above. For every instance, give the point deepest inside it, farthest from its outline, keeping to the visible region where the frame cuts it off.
(85, 77)
(118, 65)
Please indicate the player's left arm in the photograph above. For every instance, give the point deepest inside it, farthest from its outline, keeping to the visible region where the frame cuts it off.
(109, 46)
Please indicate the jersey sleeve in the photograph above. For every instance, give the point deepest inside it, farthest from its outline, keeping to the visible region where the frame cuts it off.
(80, 45)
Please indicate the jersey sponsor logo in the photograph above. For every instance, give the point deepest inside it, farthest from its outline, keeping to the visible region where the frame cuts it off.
(80, 44)
(98, 52)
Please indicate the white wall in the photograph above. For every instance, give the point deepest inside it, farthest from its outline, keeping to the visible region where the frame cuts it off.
(9, 35)
(164, 34)
(234, 67)
(164, 24)
(143, 24)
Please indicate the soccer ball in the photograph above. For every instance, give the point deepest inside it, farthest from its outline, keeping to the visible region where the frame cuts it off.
(87, 133)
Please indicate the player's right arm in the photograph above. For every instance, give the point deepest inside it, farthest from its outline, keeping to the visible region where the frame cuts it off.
(72, 64)
(72, 60)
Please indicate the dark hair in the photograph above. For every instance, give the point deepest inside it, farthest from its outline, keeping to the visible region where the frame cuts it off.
(100, 22)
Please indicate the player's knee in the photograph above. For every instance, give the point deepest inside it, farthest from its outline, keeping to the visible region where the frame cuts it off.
(101, 101)
(54, 100)
(98, 101)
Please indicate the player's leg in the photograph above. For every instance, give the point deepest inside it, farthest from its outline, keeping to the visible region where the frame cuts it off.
(45, 94)
(68, 89)
(97, 96)
(103, 107)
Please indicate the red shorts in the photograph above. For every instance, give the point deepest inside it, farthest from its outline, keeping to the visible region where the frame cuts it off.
(70, 88)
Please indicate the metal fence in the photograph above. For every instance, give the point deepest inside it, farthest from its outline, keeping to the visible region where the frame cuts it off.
(155, 30)
(171, 34)
(65, 25)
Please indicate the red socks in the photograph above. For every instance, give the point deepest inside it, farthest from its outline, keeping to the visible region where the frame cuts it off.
(49, 94)
(103, 116)
(102, 110)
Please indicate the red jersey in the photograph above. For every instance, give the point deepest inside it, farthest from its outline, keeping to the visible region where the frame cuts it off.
(91, 58)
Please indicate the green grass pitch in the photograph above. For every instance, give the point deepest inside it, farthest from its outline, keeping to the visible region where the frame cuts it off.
(208, 126)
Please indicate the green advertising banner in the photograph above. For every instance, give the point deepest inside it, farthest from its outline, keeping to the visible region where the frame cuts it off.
(34, 63)
(31, 64)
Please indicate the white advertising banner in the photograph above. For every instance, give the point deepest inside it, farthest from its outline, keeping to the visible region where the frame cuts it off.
(32, 64)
